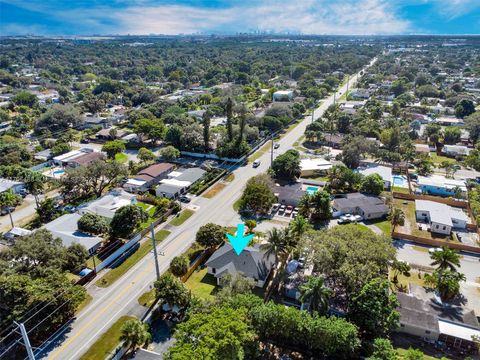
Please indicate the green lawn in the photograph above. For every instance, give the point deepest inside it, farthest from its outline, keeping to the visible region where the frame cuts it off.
(184, 215)
(400, 189)
(84, 303)
(383, 225)
(121, 158)
(437, 159)
(202, 284)
(147, 299)
(236, 204)
(109, 340)
(110, 277)
(150, 210)
(403, 352)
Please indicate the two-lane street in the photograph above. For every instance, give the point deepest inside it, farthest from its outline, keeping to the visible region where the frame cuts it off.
(121, 297)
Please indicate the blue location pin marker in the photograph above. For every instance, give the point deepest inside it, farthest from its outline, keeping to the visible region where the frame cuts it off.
(239, 242)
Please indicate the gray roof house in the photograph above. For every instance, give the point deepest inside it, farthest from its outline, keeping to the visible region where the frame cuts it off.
(65, 227)
(423, 316)
(367, 206)
(385, 173)
(289, 194)
(178, 182)
(252, 262)
(15, 186)
(441, 217)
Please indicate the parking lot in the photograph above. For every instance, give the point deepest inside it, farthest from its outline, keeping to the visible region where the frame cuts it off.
(284, 211)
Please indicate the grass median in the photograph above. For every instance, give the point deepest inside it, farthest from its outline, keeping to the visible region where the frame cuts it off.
(110, 277)
(180, 219)
(106, 343)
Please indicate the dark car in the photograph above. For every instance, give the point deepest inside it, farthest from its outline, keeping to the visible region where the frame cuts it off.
(185, 199)
(276, 145)
(84, 141)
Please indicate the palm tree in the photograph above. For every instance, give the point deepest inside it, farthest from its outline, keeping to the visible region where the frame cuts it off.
(34, 184)
(399, 268)
(8, 199)
(299, 226)
(446, 258)
(134, 333)
(229, 111)
(276, 244)
(396, 217)
(316, 294)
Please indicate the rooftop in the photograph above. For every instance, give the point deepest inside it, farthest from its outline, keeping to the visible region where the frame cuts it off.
(440, 213)
(6, 184)
(315, 164)
(156, 170)
(367, 203)
(109, 203)
(441, 182)
(384, 172)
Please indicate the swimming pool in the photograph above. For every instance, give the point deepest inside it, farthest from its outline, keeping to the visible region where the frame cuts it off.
(399, 180)
(312, 189)
(58, 172)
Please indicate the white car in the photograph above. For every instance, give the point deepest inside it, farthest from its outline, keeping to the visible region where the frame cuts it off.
(256, 163)
(434, 250)
(357, 218)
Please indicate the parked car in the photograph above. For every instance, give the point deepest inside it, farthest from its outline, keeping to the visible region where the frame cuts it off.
(343, 221)
(289, 210)
(282, 208)
(358, 218)
(256, 163)
(185, 199)
(275, 207)
(7, 209)
(84, 141)
(276, 145)
(23, 193)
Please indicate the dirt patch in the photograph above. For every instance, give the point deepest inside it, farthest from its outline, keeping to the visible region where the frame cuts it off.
(214, 190)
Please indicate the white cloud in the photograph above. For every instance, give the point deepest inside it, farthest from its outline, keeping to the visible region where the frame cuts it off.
(306, 16)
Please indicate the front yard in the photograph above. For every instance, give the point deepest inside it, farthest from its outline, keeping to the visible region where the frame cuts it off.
(182, 217)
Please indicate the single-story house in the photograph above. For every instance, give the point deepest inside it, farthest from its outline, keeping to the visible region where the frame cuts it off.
(148, 177)
(423, 316)
(104, 134)
(108, 204)
(289, 194)
(65, 227)
(368, 206)
(85, 159)
(440, 185)
(351, 107)
(333, 140)
(63, 159)
(7, 184)
(422, 148)
(16, 232)
(385, 173)
(360, 94)
(448, 121)
(252, 263)
(456, 150)
(91, 120)
(312, 167)
(441, 217)
(178, 182)
(43, 155)
(283, 95)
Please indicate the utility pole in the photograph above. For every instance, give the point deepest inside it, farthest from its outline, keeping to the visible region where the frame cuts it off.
(348, 79)
(157, 269)
(271, 153)
(313, 112)
(26, 341)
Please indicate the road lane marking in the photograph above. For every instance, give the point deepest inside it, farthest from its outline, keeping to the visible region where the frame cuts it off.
(105, 308)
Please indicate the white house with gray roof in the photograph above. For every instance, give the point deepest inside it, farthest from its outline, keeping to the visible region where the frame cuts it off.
(441, 217)
(7, 184)
(252, 263)
(385, 173)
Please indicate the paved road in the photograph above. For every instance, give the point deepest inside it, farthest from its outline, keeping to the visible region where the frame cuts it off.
(121, 297)
(24, 211)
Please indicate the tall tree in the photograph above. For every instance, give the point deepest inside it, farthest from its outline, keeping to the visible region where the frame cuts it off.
(229, 112)
(277, 244)
(210, 235)
(134, 334)
(396, 217)
(445, 258)
(206, 130)
(9, 199)
(316, 294)
(35, 183)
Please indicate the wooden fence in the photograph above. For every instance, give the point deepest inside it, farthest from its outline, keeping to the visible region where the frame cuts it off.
(198, 261)
(448, 201)
(437, 243)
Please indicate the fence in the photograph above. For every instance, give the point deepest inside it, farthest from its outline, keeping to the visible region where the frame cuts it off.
(128, 245)
(448, 201)
(206, 253)
(40, 166)
(437, 243)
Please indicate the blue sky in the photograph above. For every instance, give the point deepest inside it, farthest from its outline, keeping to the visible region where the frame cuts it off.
(86, 17)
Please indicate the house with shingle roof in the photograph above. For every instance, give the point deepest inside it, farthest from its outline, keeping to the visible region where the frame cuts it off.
(252, 263)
